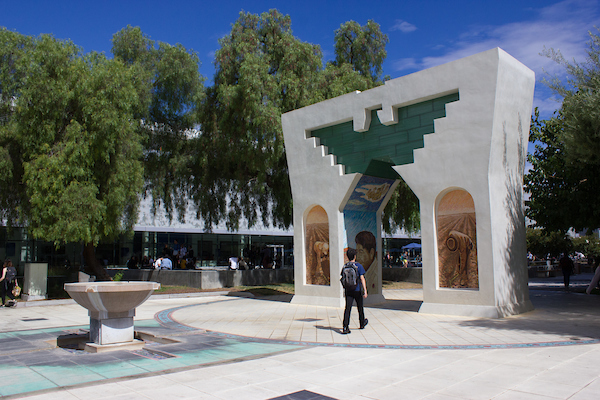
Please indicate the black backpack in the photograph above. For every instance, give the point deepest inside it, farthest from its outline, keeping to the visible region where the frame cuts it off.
(349, 276)
(11, 273)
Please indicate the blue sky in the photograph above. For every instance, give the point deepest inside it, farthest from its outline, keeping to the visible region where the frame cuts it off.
(422, 33)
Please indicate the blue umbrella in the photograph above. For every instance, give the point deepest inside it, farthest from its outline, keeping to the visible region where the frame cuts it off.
(411, 246)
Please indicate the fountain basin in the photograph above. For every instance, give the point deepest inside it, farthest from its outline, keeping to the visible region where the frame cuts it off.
(111, 307)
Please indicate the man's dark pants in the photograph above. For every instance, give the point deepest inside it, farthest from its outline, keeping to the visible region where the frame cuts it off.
(350, 297)
(566, 277)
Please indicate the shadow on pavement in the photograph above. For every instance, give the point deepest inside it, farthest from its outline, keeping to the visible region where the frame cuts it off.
(399, 305)
(560, 312)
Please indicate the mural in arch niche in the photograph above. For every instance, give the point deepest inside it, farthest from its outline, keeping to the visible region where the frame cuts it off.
(317, 247)
(360, 222)
(457, 241)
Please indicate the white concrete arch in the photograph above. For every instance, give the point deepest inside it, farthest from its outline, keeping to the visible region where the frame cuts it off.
(477, 146)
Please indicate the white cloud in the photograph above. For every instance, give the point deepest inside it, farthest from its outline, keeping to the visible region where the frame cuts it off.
(563, 26)
(327, 54)
(545, 101)
(403, 26)
(406, 63)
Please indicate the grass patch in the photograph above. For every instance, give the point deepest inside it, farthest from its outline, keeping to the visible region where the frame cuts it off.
(401, 285)
(264, 290)
(166, 289)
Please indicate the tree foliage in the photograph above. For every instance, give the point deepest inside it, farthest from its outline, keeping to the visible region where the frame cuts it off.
(70, 142)
(564, 182)
(262, 71)
(81, 136)
(171, 94)
(580, 110)
(363, 47)
(402, 211)
(13, 73)
(563, 190)
(541, 242)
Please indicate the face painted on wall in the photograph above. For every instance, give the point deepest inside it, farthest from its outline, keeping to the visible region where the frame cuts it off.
(364, 257)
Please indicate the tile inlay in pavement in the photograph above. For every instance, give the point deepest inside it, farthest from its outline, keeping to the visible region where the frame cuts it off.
(225, 346)
(32, 364)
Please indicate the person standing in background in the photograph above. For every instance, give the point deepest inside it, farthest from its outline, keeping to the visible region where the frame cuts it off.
(566, 265)
(7, 283)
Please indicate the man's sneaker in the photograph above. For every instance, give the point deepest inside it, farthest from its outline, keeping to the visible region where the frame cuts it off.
(362, 326)
(345, 331)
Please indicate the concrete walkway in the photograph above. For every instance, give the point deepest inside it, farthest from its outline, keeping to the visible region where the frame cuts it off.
(217, 346)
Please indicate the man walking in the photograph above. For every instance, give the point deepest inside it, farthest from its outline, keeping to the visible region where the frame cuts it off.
(567, 267)
(357, 293)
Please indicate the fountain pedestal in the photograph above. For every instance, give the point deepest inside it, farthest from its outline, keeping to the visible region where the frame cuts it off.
(111, 307)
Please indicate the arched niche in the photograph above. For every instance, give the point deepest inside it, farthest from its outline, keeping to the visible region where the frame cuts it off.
(457, 241)
(316, 237)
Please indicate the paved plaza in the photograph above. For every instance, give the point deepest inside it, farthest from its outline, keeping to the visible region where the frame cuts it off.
(222, 346)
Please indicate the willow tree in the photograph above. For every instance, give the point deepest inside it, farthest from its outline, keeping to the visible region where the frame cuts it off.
(262, 71)
(171, 94)
(70, 144)
(363, 47)
(13, 73)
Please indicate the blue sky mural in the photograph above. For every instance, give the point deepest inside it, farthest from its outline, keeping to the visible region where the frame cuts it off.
(368, 194)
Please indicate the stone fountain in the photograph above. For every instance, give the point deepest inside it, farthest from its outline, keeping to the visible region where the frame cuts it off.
(111, 307)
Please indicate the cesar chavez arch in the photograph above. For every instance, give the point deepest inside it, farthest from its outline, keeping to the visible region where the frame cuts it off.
(457, 134)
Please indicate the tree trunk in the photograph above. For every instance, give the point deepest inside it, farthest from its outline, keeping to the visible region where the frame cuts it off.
(92, 265)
